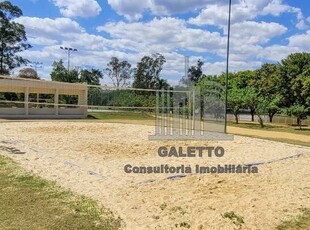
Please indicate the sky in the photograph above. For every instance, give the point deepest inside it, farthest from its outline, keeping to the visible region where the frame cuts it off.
(261, 31)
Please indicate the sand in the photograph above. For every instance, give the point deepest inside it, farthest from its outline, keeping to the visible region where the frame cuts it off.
(89, 159)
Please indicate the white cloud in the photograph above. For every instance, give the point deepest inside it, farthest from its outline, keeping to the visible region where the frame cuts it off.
(169, 7)
(302, 25)
(41, 41)
(49, 28)
(132, 9)
(301, 40)
(81, 8)
(296, 43)
(251, 32)
(275, 8)
(163, 35)
(217, 14)
(252, 41)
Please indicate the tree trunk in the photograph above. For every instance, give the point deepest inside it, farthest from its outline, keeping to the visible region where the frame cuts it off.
(236, 117)
(271, 115)
(252, 114)
(261, 122)
(298, 121)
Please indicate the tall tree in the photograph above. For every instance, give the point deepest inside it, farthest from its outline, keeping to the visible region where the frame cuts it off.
(12, 38)
(60, 73)
(195, 74)
(261, 109)
(119, 72)
(273, 106)
(162, 84)
(235, 102)
(250, 100)
(295, 73)
(147, 73)
(268, 78)
(29, 73)
(91, 77)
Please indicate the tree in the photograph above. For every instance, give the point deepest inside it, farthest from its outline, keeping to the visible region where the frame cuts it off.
(273, 106)
(91, 77)
(267, 80)
(261, 109)
(28, 73)
(250, 100)
(235, 102)
(195, 74)
(162, 84)
(147, 73)
(242, 79)
(119, 72)
(298, 111)
(60, 73)
(295, 73)
(12, 38)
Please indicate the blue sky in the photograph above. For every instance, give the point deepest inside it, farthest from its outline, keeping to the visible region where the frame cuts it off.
(262, 31)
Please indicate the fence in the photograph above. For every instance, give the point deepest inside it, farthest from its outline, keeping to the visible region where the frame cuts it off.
(179, 113)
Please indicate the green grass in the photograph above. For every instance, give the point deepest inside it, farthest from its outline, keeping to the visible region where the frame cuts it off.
(301, 222)
(236, 219)
(277, 128)
(120, 116)
(29, 202)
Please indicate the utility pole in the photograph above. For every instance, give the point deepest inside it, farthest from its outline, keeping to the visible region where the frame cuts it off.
(69, 51)
(227, 64)
(186, 67)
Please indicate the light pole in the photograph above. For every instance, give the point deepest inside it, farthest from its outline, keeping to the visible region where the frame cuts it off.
(186, 67)
(69, 51)
(227, 64)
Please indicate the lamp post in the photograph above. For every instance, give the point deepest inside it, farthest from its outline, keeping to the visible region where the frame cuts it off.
(227, 64)
(69, 51)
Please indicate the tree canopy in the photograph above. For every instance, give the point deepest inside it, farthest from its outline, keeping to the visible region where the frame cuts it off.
(12, 38)
(119, 72)
(147, 73)
(29, 73)
(61, 73)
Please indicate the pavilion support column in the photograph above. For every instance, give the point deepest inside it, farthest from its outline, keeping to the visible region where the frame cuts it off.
(26, 100)
(85, 101)
(56, 102)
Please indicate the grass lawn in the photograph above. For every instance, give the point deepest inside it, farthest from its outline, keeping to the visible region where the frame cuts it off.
(120, 116)
(301, 222)
(277, 128)
(29, 202)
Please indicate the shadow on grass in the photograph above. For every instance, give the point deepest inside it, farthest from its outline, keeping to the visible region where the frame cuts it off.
(29, 202)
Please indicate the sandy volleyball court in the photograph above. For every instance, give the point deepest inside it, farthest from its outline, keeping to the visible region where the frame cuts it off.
(89, 158)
